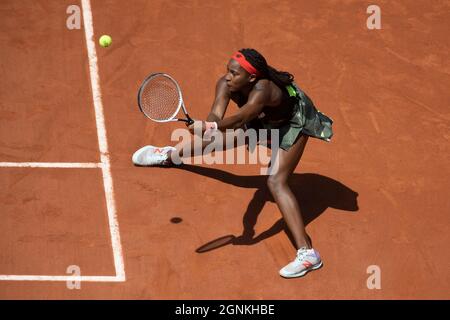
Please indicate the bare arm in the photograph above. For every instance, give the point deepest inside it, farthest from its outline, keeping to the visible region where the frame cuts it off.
(220, 101)
(257, 99)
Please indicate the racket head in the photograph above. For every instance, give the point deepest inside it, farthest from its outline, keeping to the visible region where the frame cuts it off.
(159, 97)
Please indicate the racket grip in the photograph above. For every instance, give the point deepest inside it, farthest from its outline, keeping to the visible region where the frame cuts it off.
(189, 121)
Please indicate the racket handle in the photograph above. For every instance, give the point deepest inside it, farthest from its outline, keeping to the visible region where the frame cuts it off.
(189, 120)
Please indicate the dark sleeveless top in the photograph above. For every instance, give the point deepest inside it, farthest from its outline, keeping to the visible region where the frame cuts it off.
(296, 115)
(271, 114)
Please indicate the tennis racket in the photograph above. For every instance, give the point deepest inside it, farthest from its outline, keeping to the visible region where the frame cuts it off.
(160, 99)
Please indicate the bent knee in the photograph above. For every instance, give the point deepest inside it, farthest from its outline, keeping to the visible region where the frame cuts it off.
(276, 182)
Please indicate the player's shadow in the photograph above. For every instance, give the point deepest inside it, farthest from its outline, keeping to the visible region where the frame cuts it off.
(315, 193)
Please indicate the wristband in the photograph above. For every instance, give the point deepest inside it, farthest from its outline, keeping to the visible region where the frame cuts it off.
(210, 126)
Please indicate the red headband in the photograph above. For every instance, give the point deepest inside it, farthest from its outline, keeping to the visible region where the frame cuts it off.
(239, 57)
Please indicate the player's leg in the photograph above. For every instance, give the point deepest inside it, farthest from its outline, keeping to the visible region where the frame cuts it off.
(281, 192)
(307, 258)
(220, 141)
(168, 156)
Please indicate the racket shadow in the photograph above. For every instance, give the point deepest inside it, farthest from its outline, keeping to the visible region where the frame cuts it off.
(315, 193)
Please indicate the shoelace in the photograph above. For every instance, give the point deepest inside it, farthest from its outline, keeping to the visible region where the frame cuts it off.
(301, 254)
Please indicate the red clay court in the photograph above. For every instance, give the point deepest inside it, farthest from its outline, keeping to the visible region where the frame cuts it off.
(376, 195)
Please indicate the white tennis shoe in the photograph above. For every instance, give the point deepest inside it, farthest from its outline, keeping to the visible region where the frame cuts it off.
(153, 156)
(306, 260)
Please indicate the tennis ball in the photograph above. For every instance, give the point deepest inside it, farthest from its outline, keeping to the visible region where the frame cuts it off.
(105, 41)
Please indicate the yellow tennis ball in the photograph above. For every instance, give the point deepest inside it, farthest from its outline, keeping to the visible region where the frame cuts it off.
(105, 41)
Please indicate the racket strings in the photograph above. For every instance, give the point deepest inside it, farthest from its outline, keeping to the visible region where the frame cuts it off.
(160, 99)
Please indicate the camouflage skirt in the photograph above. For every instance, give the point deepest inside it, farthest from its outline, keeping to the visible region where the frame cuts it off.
(305, 119)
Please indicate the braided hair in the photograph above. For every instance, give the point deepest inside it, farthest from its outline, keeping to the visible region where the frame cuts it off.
(280, 78)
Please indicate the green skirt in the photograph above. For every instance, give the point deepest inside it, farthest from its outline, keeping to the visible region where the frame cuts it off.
(305, 119)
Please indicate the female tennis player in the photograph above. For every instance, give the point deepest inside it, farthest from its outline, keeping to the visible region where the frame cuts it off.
(267, 99)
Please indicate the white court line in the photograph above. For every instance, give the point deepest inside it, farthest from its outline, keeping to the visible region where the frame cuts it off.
(102, 142)
(62, 278)
(104, 165)
(50, 165)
